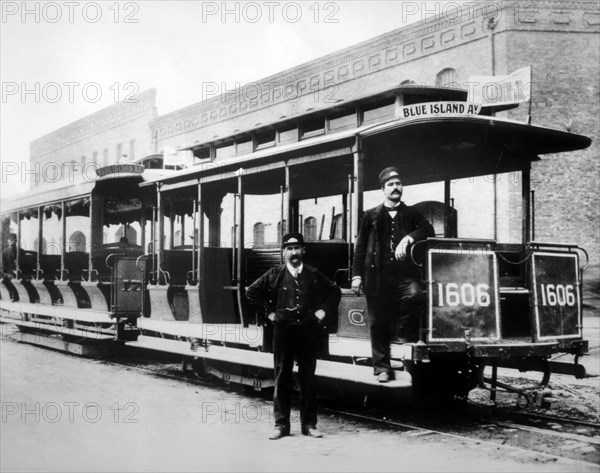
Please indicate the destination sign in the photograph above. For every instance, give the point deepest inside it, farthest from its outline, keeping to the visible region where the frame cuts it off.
(435, 109)
(120, 169)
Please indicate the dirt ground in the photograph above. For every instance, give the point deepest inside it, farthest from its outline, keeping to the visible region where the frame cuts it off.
(65, 413)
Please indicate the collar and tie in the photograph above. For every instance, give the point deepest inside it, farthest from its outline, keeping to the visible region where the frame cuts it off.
(295, 272)
(392, 211)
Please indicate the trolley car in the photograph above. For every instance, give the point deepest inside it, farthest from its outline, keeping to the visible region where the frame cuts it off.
(495, 295)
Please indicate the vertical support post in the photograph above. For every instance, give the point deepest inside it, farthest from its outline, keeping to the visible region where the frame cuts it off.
(196, 288)
(200, 265)
(172, 218)
(491, 24)
(91, 227)
(447, 209)
(194, 242)
(160, 236)
(19, 236)
(40, 245)
(64, 240)
(526, 204)
(348, 219)
(143, 229)
(357, 193)
(241, 277)
(288, 201)
(281, 214)
(182, 236)
(153, 241)
(234, 274)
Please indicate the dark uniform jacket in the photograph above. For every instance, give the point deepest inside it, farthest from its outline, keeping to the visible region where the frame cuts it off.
(294, 304)
(369, 245)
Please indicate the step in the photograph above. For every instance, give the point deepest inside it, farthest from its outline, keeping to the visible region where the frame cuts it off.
(331, 370)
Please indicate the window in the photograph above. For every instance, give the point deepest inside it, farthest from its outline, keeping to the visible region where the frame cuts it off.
(312, 127)
(119, 151)
(310, 228)
(95, 157)
(225, 151)
(129, 232)
(288, 135)
(265, 139)
(244, 146)
(259, 233)
(379, 111)
(202, 153)
(105, 157)
(77, 242)
(342, 121)
(446, 78)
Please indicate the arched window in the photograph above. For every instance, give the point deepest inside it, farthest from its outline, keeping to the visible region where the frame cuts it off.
(310, 228)
(446, 78)
(77, 242)
(95, 157)
(131, 234)
(259, 233)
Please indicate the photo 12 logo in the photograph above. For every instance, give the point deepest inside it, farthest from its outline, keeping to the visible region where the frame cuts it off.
(269, 12)
(54, 92)
(69, 412)
(69, 12)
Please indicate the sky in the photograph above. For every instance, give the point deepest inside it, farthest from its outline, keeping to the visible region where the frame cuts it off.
(61, 61)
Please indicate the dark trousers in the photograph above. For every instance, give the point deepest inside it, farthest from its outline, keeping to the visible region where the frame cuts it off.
(397, 305)
(295, 342)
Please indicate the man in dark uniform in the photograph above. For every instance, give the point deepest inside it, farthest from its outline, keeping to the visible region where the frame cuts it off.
(9, 256)
(296, 298)
(384, 271)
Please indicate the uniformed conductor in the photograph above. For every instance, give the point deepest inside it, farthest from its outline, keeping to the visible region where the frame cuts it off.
(383, 270)
(296, 298)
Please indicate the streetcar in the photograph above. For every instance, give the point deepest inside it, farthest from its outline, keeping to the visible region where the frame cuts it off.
(495, 296)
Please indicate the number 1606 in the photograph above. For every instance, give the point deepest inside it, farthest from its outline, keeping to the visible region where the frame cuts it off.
(557, 294)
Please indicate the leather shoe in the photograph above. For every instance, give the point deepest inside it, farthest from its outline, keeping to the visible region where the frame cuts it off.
(278, 434)
(383, 377)
(312, 432)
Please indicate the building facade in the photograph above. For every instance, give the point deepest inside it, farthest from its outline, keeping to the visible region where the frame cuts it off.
(118, 133)
(558, 39)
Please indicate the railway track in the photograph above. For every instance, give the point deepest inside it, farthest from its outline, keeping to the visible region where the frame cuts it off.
(549, 438)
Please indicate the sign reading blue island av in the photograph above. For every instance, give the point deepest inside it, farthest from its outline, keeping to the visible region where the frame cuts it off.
(463, 297)
(556, 295)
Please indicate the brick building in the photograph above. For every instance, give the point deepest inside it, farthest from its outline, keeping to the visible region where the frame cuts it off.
(560, 40)
(117, 133)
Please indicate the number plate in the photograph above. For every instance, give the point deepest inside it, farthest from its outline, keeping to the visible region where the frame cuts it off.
(556, 302)
(463, 296)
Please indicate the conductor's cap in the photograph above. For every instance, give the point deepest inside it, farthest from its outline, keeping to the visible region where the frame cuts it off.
(292, 239)
(387, 174)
